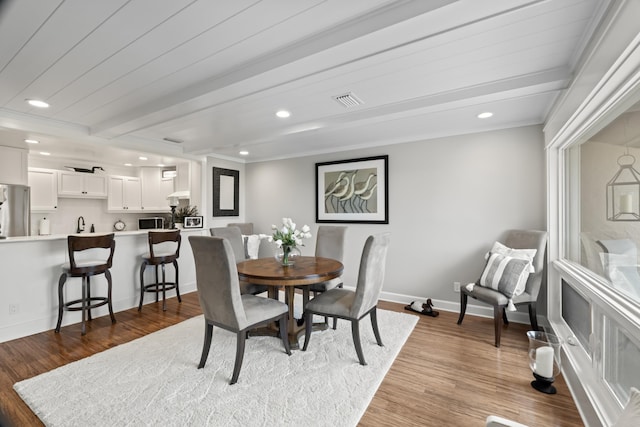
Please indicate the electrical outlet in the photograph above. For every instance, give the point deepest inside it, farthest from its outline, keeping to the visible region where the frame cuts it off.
(14, 308)
(456, 286)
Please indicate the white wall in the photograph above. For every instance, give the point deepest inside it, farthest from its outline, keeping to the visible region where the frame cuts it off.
(450, 198)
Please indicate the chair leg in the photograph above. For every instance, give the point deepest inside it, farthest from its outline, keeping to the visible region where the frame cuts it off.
(240, 340)
(308, 326)
(142, 268)
(107, 274)
(504, 317)
(463, 306)
(498, 312)
(533, 317)
(83, 329)
(284, 334)
(89, 298)
(374, 323)
(355, 331)
(157, 283)
(175, 265)
(63, 278)
(335, 319)
(164, 290)
(208, 333)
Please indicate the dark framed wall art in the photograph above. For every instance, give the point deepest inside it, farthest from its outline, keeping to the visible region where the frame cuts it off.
(226, 192)
(353, 191)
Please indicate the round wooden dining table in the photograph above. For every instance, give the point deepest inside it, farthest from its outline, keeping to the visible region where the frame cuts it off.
(306, 271)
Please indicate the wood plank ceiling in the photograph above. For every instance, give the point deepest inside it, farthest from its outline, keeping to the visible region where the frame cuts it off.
(212, 74)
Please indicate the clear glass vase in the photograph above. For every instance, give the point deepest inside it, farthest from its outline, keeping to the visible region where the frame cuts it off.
(287, 255)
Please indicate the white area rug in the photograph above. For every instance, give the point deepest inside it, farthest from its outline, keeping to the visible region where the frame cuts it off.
(154, 380)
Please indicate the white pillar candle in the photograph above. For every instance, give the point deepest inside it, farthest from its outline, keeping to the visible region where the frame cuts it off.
(626, 203)
(544, 361)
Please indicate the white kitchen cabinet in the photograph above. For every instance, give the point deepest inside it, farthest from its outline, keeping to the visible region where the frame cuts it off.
(183, 177)
(155, 190)
(125, 194)
(13, 165)
(44, 189)
(79, 184)
(188, 178)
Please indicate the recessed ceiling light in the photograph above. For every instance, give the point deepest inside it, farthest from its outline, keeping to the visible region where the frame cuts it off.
(37, 103)
(485, 115)
(283, 114)
(142, 158)
(244, 153)
(32, 141)
(127, 164)
(44, 153)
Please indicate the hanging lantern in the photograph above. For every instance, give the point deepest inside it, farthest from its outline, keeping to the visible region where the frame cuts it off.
(623, 192)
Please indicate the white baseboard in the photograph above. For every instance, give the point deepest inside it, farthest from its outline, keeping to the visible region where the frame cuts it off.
(454, 307)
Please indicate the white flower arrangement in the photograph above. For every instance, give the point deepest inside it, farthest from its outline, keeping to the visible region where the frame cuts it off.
(288, 235)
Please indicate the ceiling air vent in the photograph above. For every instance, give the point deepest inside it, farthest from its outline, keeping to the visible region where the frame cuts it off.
(175, 141)
(348, 100)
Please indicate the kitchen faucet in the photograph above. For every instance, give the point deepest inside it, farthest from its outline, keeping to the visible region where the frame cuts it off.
(80, 225)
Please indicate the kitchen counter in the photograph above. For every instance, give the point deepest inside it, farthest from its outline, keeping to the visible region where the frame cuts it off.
(31, 266)
(64, 236)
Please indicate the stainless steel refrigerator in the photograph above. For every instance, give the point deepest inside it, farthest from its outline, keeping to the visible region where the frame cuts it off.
(15, 207)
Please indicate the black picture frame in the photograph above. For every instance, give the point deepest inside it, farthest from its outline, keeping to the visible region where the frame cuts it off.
(353, 191)
(192, 222)
(226, 192)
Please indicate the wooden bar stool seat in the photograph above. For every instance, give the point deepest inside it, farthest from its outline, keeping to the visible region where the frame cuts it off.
(163, 253)
(85, 268)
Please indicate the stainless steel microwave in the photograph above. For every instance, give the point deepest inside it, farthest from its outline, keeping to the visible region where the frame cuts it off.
(151, 223)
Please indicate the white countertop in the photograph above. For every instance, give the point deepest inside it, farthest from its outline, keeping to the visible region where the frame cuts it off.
(64, 236)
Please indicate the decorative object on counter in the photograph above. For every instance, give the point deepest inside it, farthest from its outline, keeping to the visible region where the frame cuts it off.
(44, 228)
(85, 170)
(192, 222)
(119, 225)
(93, 229)
(185, 211)
(623, 191)
(544, 360)
(173, 204)
(287, 240)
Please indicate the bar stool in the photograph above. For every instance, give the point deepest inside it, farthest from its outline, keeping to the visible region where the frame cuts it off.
(86, 268)
(159, 257)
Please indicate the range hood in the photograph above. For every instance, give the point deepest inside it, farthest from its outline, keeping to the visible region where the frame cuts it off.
(184, 194)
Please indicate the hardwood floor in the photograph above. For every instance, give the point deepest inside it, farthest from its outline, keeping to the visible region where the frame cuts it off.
(445, 375)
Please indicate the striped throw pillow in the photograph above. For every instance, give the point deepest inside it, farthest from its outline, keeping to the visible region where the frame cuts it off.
(502, 273)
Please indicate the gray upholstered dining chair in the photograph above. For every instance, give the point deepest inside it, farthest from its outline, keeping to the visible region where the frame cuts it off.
(329, 244)
(221, 302)
(234, 235)
(355, 305)
(515, 239)
(246, 228)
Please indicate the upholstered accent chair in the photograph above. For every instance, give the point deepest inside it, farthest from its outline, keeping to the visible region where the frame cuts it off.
(234, 235)
(355, 305)
(223, 305)
(329, 244)
(517, 240)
